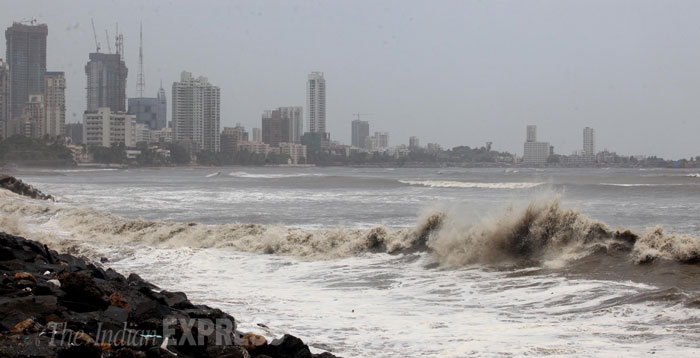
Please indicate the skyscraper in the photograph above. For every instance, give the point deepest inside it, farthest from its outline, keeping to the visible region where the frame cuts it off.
(360, 132)
(535, 152)
(26, 56)
(55, 103)
(4, 98)
(589, 144)
(106, 82)
(316, 102)
(196, 112)
(282, 125)
(531, 133)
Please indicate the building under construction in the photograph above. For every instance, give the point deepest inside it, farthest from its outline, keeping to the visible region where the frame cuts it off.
(26, 57)
(106, 82)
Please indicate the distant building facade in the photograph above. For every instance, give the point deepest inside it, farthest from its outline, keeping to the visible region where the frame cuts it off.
(254, 147)
(150, 111)
(26, 57)
(535, 152)
(284, 124)
(360, 132)
(295, 151)
(74, 133)
(5, 103)
(231, 136)
(414, 143)
(196, 112)
(55, 103)
(106, 128)
(32, 121)
(257, 135)
(106, 82)
(589, 153)
(316, 102)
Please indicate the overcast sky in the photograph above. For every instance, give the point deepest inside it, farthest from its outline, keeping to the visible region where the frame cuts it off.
(453, 72)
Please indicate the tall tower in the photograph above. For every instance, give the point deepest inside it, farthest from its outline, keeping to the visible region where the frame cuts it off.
(26, 56)
(55, 103)
(531, 133)
(106, 82)
(4, 98)
(140, 77)
(316, 102)
(162, 107)
(196, 112)
(589, 144)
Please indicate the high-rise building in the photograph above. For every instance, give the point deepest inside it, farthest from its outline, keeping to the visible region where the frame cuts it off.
(33, 119)
(257, 135)
(150, 111)
(535, 152)
(283, 124)
(106, 82)
(231, 136)
(106, 128)
(531, 133)
(316, 102)
(26, 56)
(5, 102)
(196, 112)
(55, 103)
(413, 143)
(360, 132)
(589, 152)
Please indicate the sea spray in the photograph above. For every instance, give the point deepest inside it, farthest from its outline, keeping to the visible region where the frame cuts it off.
(541, 232)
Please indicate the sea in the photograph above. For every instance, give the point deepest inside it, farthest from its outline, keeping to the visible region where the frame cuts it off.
(400, 262)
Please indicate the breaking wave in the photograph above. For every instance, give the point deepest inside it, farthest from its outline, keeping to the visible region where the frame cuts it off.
(693, 175)
(541, 233)
(461, 184)
(271, 176)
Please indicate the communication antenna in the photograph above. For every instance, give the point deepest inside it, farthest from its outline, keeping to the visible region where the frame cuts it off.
(140, 78)
(119, 42)
(361, 114)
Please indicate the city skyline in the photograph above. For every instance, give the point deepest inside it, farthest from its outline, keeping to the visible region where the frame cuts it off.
(633, 109)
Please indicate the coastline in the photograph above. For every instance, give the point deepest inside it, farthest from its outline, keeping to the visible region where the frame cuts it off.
(60, 305)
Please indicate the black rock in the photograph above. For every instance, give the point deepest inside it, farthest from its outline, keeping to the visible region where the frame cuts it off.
(83, 293)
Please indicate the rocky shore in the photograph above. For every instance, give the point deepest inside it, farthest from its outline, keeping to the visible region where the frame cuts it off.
(59, 305)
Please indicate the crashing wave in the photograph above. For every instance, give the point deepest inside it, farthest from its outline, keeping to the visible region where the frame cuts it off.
(461, 184)
(539, 233)
(271, 176)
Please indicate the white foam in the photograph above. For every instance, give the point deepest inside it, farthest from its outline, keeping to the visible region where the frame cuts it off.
(461, 184)
(271, 176)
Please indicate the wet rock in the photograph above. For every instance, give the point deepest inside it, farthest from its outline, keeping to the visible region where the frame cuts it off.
(25, 276)
(286, 347)
(19, 187)
(26, 325)
(227, 352)
(116, 299)
(253, 341)
(83, 293)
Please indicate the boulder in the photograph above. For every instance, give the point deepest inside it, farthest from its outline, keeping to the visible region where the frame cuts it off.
(82, 293)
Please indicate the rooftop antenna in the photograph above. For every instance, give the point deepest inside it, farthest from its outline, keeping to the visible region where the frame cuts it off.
(109, 47)
(361, 114)
(140, 78)
(119, 41)
(94, 33)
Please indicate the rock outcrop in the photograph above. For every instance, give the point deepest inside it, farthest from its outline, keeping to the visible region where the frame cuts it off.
(57, 305)
(19, 187)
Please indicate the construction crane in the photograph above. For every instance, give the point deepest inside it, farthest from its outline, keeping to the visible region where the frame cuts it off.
(109, 47)
(361, 114)
(94, 33)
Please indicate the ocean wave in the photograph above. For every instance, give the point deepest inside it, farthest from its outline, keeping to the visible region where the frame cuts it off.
(271, 176)
(693, 175)
(637, 185)
(461, 184)
(213, 175)
(541, 233)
